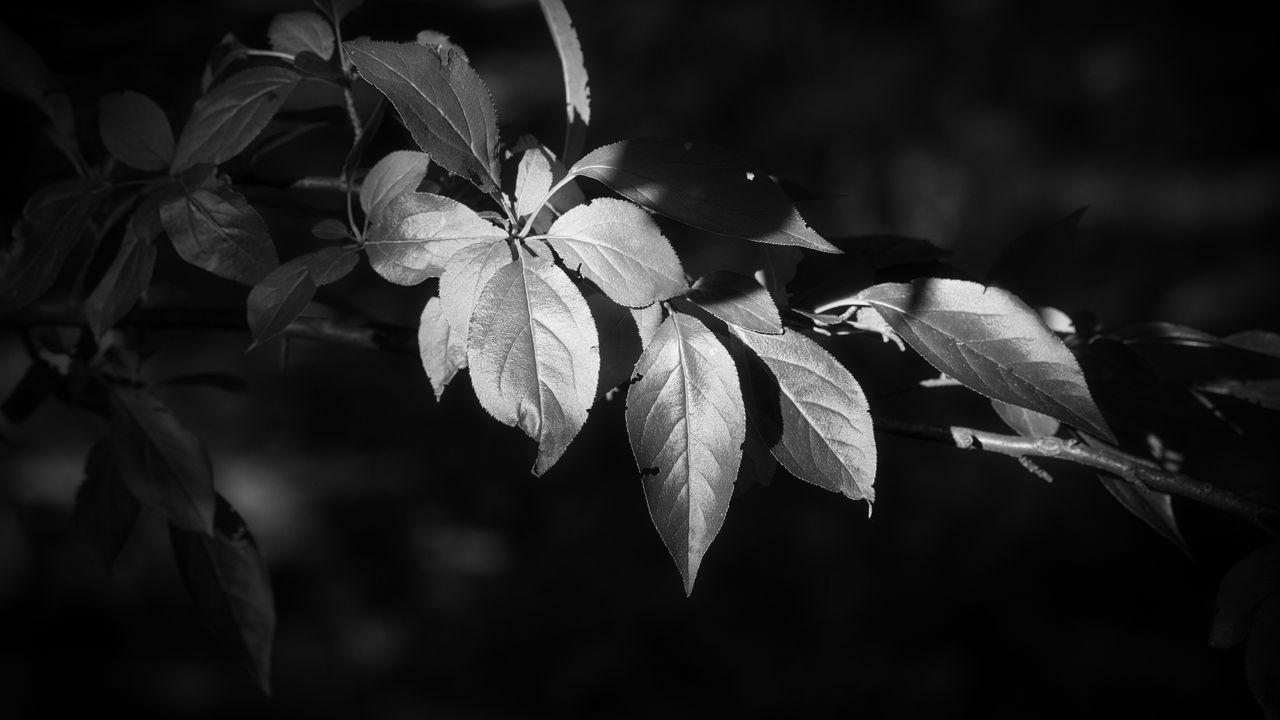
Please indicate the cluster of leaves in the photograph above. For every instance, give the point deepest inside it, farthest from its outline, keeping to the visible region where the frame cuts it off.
(556, 288)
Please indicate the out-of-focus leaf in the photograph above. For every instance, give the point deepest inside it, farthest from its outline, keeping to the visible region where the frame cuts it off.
(416, 235)
(991, 342)
(219, 231)
(331, 229)
(162, 463)
(687, 424)
(1151, 507)
(826, 438)
(337, 9)
(1262, 658)
(221, 381)
(399, 172)
(465, 275)
(54, 222)
(433, 346)
(22, 72)
(1166, 333)
(1264, 393)
(125, 280)
(135, 130)
(534, 354)
(1027, 423)
(701, 186)
(1244, 589)
(441, 100)
(105, 511)
(278, 300)
(297, 32)
(227, 118)
(576, 93)
(37, 383)
(1259, 341)
(228, 51)
(617, 246)
(737, 300)
(231, 588)
(1043, 263)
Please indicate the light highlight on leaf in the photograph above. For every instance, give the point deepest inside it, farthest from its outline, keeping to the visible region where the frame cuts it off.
(738, 300)
(417, 233)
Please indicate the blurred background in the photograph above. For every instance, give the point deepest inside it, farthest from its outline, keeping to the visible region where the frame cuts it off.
(421, 571)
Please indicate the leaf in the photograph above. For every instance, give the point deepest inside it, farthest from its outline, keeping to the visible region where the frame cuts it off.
(331, 229)
(221, 381)
(1244, 589)
(219, 231)
(105, 511)
(163, 464)
(533, 181)
(576, 93)
(737, 300)
(1027, 423)
(441, 100)
(22, 72)
(125, 280)
(1258, 341)
(617, 246)
(1262, 658)
(466, 274)
(433, 346)
(227, 52)
(135, 130)
(278, 300)
(648, 320)
(440, 42)
(687, 423)
(1045, 264)
(991, 342)
(827, 437)
(329, 265)
(41, 243)
(534, 354)
(1151, 507)
(399, 172)
(416, 235)
(298, 32)
(701, 186)
(226, 119)
(231, 588)
(1263, 393)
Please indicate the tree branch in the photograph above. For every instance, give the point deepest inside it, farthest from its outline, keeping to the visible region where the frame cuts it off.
(1133, 469)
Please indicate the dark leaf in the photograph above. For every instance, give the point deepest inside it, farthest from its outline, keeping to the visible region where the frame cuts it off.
(231, 588)
(1244, 589)
(1151, 507)
(1166, 333)
(54, 223)
(219, 231)
(1043, 263)
(329, 265)
(399, 172)
(466, 274)
(1027, 423)
(126, 279)
(227, 52)
(701, 186)
(737, 300)
(687, 424)
(434, 347)
(991, 342)
(135, 130)
(298, 32)
(163, 464)
(617, 246)
(37, 383)
(441, 100)
(576, 93)
(827, 437)
(331, 229)
(336, 10)
(22, 72)
(278, 300)
(105, 510)
(415, 236)
(1262, 658)
(1258, 341)
(231, 115)
(221, 381)
(534, 354)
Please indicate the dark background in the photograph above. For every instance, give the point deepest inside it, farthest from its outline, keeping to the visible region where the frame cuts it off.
(420, 571)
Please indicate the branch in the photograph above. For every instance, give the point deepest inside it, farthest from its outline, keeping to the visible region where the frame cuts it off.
(1138, 471)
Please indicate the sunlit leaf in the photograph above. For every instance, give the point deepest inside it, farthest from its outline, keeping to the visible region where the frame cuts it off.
(1027, 423)
(125, 280)
(576, 93)
(416, 235)
(219, 231)
(105, 510)
(164, 464)
(466, 274)
(441, 100)
(135, 130)
(991, 342)
(401, 171)
(738, 300)
(686, 421)
(433, 346)
(826, 435)
(533, 181)
(227, 118)
(702, 186)
(534, 354)
(231, 588)
(297, 32)
(617, 246)
(648, 320)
